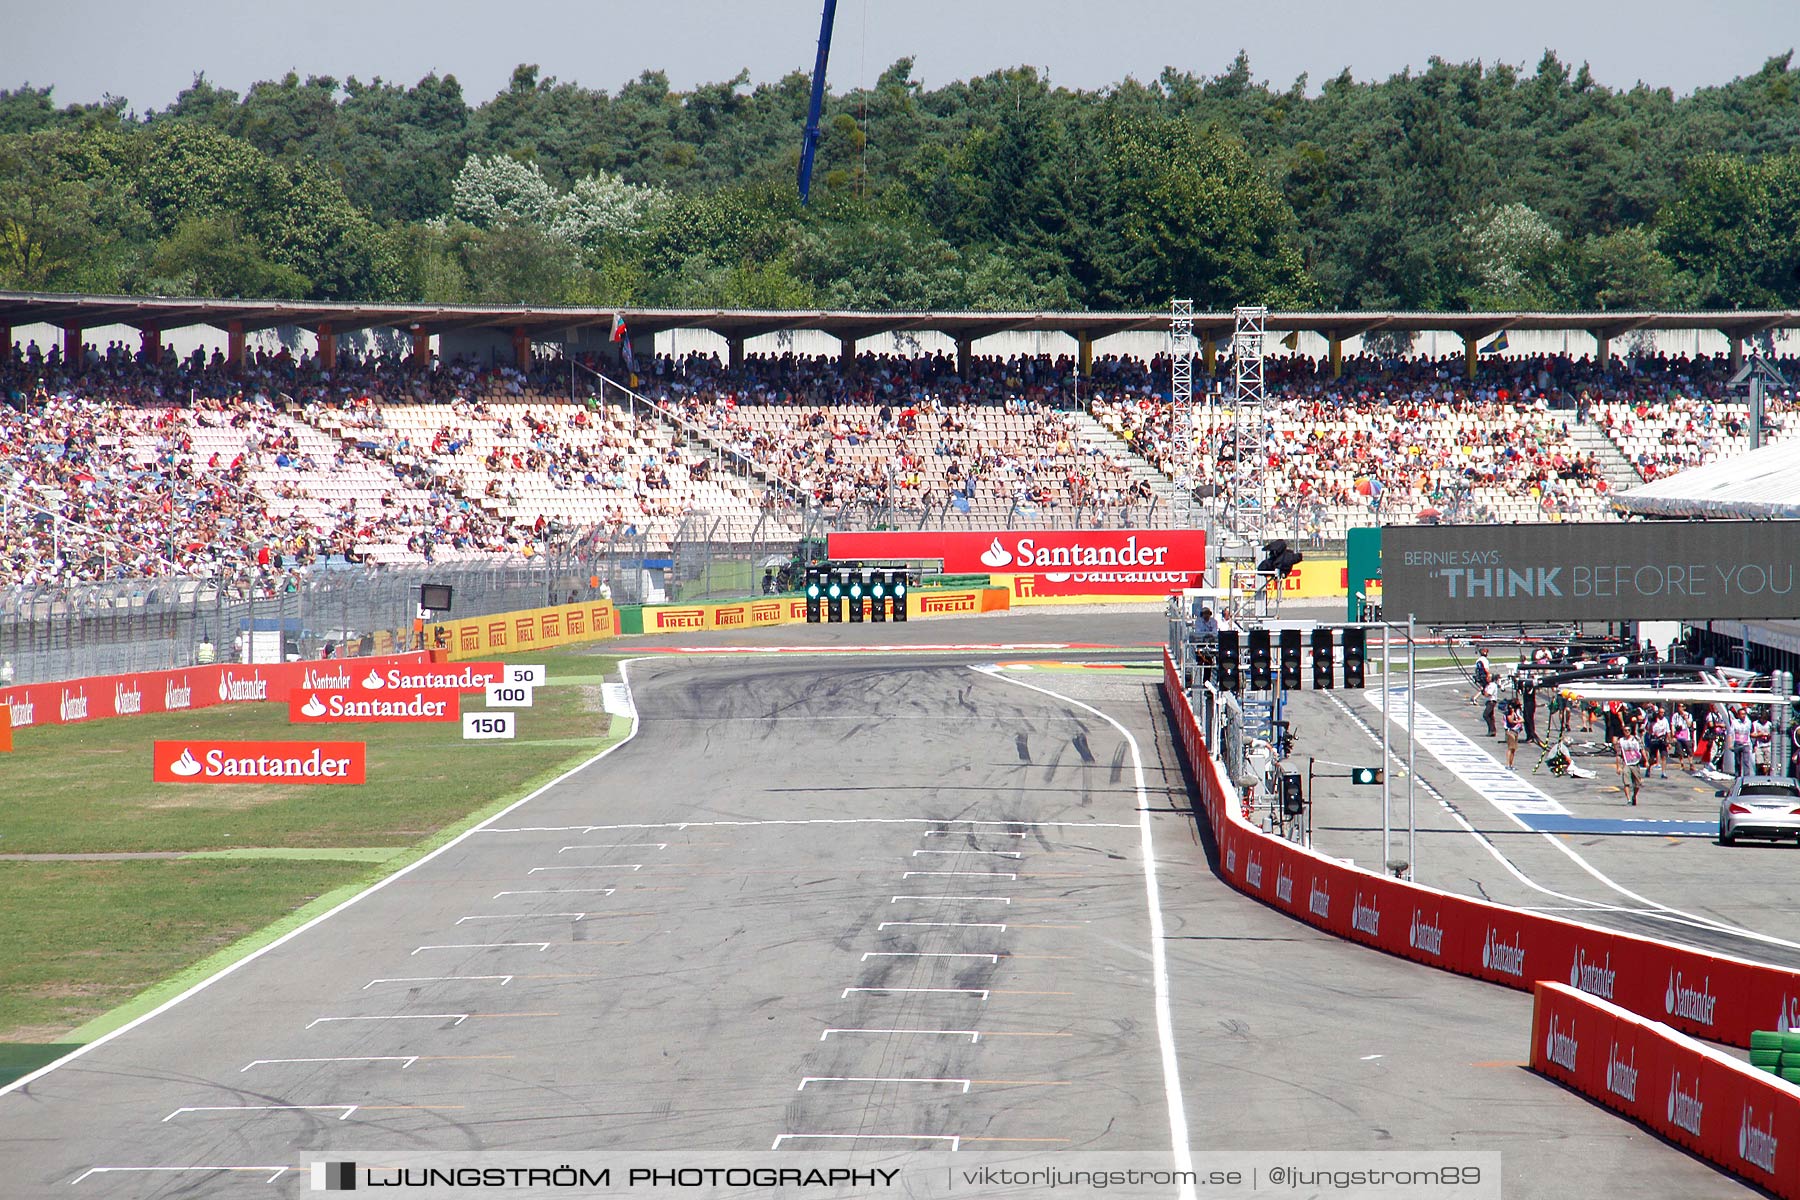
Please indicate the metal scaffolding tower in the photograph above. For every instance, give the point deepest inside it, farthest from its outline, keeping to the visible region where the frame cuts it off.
(1182, 417)
(1248, 497)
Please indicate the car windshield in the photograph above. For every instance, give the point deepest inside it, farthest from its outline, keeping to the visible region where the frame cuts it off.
(1784, 790)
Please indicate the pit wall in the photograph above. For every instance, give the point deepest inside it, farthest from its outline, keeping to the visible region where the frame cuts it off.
(1712, 996)
(1745, 1120)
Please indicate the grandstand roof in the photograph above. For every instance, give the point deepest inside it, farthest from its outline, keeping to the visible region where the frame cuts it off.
(72, 311)
(1764, 483)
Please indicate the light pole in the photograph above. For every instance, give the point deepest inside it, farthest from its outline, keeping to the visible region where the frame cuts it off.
(1412, 831)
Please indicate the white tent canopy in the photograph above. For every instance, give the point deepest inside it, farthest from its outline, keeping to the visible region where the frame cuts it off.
(1763, 484)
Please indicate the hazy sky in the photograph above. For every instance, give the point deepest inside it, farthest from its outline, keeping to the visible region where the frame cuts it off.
(148, 52)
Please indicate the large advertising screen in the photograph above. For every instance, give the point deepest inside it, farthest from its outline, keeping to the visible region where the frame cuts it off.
(1149, 562)
(1648, 571)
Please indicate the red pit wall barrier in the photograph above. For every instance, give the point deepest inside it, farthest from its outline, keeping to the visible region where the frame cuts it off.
(98, 697)
(1747, 1121)
(1712, 996)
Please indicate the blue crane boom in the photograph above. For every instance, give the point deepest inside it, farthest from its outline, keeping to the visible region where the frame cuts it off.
(811, 143)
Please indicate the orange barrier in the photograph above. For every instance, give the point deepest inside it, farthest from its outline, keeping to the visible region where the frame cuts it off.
(1711, 995)
(1728, 1112)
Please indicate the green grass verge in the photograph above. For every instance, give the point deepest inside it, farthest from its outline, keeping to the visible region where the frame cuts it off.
(78, 938)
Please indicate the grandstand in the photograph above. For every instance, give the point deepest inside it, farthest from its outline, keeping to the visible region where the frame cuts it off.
(120, 465)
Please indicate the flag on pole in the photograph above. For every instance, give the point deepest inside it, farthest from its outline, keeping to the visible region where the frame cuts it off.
(1495, 346)
(618, 328)
(1292, 340)
(623, 335)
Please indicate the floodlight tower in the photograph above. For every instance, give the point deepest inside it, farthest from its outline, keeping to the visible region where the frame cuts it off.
(1248, 496)
(1183, 419)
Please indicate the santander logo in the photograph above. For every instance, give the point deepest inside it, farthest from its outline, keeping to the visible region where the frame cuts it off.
(1789, 1020)
(1231, 860)
(238, 688)
(1253, 872)
(1365, 918)
(1320, 900)
(373, 681)
(1284, 885)
(177, 698)
(1424, 935)
(74, 708)
(186, 765)
(1497, 955)
(1621, 1076)
(127, 700)
(325, 679)
(996, 555)
(1561, 1048)
(1685, 1108)
(312, 707)
(1696, 1004)
(1757, 1145)
(1595, 978)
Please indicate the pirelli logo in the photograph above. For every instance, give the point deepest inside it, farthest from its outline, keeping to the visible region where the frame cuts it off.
(736, 615)
(681, 618)
(947, 604)
(767, 613)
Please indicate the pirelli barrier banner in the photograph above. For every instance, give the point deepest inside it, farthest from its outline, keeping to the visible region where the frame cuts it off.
(525, 630)
(1719, 1107)
(98, 697)
(1048, 566)
(1647, 571)
(791, 610)
(1712, 996)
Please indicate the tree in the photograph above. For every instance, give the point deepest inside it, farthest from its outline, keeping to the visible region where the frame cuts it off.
(1734, 231)
(1515, 259)
(211, 256)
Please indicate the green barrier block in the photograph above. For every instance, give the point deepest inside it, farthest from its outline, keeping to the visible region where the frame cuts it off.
(631, 618)
(1792, 1075)
(1768, 1059)
(1765, 1039)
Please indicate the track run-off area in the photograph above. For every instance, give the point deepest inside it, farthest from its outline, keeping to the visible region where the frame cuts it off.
(928, 899)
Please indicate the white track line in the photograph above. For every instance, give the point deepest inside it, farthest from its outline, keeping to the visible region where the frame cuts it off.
(876, 1079)
(993, 958)
(541, 946)
(592, 866)
(557, 892)
(1165, 1026)
(873, 821)
(346, 1109)
(577, 916)
(276, 1172)
(955, 1141)
(405, 1060)
(453, 1018)
(942, 924)
(987, 833)
(995, 853)
(616, 846)
(982, 992)
(86, 1048)
(1009, 875)
(504, 979)
(990, 899)
(974, 1035)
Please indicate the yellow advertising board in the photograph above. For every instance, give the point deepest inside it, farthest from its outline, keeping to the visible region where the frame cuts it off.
(524, 630)
(791, 610)
(1313, 579)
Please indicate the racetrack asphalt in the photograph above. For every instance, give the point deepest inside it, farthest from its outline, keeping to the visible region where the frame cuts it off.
(808, 885)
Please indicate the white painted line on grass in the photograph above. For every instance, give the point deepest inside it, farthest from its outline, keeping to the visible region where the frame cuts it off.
(993, 958)
(518, 916)
(955, 1141)
(504, 979)
(88, 1047)
(483, 946)
(345, 1109)
(459, 1018)
(275, 1172)
(982, 992)
(1165, 1025)
(995, 853)
(557, 892)
(942, 924)
(1012, 875)
(876, 1079)
(405, 1060)
(974, 1035)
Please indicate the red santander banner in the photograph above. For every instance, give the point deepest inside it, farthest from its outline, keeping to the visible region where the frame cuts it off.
(1066, 562)
(306, 762)
(427, 676)
(323, 707)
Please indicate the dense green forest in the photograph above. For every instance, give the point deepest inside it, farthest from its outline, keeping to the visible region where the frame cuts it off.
(1462, 186)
